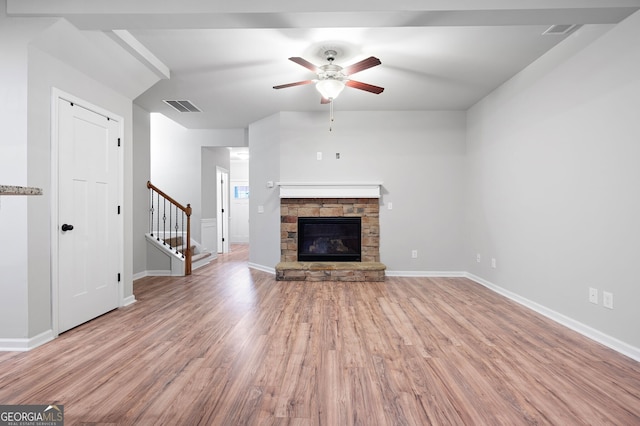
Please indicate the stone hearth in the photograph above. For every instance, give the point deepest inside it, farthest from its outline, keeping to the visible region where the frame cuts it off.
(330, 271)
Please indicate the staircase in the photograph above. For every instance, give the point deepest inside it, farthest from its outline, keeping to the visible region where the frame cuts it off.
(173, 246)
(170, 229)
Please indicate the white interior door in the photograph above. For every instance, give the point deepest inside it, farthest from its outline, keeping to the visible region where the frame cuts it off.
(239, 218)
(89, 226)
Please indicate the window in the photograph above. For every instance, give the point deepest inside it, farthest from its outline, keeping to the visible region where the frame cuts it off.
(240, 192)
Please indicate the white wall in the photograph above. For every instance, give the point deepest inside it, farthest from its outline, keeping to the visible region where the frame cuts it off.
(46, 72)
(176, 161)
(264, 166)
(211, 159)
(419, 157)
(141, 174)
(32, 59)
(553, 180)
(239, 170)
(238, 208)
(14, 38)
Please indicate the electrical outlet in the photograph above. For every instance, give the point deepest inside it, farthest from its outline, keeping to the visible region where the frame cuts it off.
(414, 254)
(607, 299)
(318, 155)
(493, 262)
(390, 205)
(478, 257)
(593, 295)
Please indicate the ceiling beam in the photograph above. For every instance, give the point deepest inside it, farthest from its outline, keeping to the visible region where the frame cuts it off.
(200, 14)
(138, 50)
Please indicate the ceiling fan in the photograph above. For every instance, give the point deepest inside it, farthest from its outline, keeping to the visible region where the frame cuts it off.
(333, 78)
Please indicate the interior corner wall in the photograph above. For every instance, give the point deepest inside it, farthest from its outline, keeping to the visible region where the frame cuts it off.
(141, 174)
(264, 201)
(553, 181)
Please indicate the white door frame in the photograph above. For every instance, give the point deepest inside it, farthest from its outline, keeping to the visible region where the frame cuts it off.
(55, 97)
(222, 202)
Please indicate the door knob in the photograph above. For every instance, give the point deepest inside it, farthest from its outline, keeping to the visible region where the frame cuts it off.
(66, 227)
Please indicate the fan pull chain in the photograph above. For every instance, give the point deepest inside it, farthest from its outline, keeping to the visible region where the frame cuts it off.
(330, 114)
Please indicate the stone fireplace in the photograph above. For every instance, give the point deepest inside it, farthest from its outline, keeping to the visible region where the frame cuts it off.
(367, 209)
(330, 201)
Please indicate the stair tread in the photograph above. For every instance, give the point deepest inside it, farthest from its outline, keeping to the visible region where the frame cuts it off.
(175, 244)
(200, 256)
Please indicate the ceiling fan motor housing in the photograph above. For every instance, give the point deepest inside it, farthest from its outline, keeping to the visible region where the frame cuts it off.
(330, 71)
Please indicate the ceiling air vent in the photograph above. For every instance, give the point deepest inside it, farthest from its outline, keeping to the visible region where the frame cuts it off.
(182, 106)
(560, 29)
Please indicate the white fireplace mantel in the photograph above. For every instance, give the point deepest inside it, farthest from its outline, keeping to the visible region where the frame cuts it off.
(329, 189)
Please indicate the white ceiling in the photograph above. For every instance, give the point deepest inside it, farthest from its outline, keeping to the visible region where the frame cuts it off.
(225, 57)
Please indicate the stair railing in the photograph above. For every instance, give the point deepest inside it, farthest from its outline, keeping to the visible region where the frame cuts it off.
(166, 214)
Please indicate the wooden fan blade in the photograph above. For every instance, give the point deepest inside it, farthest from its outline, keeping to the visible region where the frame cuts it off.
(304, 63)
(364, 86)
(370, 62)
(297, 83)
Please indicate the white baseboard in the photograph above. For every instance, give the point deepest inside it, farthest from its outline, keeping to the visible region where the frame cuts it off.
(593, 334)
(130, 300)
(270, 270)
(153, 273)
(26, 344)
(140, 275)
(407, 274)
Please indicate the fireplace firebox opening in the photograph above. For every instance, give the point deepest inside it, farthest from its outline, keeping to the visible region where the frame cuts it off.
(336, 239)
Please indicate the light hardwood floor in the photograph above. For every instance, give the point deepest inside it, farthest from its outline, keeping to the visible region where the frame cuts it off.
(231, 346)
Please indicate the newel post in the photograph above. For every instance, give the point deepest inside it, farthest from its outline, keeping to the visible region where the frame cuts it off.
(187, 253)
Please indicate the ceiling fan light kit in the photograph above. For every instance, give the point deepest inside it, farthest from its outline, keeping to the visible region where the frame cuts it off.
(330, 88)
(331, 78)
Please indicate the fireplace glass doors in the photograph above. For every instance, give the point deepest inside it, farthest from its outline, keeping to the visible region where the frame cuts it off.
(336, 239)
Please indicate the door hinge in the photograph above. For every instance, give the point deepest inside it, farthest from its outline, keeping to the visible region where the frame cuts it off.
(118, 276)
(118, 141)
(118, 209)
